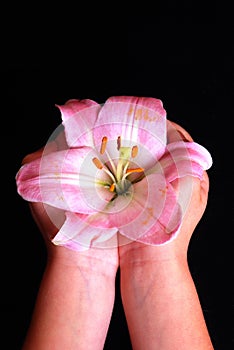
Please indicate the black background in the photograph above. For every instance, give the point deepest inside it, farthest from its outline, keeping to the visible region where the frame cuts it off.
(180, 52)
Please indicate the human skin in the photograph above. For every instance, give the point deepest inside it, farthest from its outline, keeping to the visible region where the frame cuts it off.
(76, 296)
(160, 300)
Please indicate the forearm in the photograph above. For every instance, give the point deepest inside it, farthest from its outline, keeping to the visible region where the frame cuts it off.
(162, 307)
(73, 308)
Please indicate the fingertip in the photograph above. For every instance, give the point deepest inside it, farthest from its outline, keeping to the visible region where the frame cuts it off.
(204, 187)
(32, 156)
(50, 147)
(205, 181)
(175, 132)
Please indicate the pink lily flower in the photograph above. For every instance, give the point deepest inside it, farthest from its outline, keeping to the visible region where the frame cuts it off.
(114, 174)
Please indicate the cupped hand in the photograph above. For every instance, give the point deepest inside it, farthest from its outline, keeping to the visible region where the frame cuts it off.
(105, 259)
(137, 253)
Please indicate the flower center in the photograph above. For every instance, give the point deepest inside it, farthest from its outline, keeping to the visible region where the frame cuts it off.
(118, 173)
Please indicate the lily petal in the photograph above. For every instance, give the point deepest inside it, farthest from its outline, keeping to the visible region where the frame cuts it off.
(137, 120)
(183, 159)
(153, 215)
(78, 118)
(66, 179)
(77, 234)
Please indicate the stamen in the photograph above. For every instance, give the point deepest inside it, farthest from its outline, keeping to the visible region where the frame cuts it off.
(136, 170)
(97, 163)
(131, 171)
(100, 166)
(111, 162)
(112, 187)
(118, 143)
(103, 145)
(125, 168)
(134, 151)
(103, 150)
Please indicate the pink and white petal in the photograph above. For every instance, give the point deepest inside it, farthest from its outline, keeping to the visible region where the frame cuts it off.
(73, 106)
(78, 118)
(151, 215)
(113, 215)
(167, 226)
(77, 234)
(197, 153)
(126, 208)
(66, 180)
(183, 159)
(138, 120)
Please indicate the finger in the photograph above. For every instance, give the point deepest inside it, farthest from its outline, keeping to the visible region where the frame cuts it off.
(50, 147)
(61, 141)
(205, 184)
(175, 132)
(43, 221)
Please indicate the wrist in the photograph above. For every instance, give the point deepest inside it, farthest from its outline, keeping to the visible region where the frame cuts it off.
(150, 277)
(154, 269)
(94, 261)
(138, 255)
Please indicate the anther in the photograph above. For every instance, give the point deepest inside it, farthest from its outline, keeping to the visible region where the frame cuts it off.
(112, 187)
(136, 170)
(134, 151)
(103, 145)
(97, 163)
(118, 143)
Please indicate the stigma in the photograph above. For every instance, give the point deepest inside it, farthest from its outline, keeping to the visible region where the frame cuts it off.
(118, 174)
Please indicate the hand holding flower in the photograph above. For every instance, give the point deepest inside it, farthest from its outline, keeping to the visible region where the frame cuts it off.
(46, 216)
(114, 174)
(73, 282)
(160, 301)
(196, 189)
(119, 184)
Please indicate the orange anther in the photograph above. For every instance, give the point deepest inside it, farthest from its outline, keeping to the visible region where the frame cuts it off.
(97, 163)
(134, 151)
(112, 187)
(103, 145)
(136, 170)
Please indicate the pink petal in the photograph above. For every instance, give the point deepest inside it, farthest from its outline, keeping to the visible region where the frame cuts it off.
(80, 235)
(152, 215)
(66, 180)
(182, 159)
(73, 106)
(160, 217)
(138, 120)
(78, 118)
